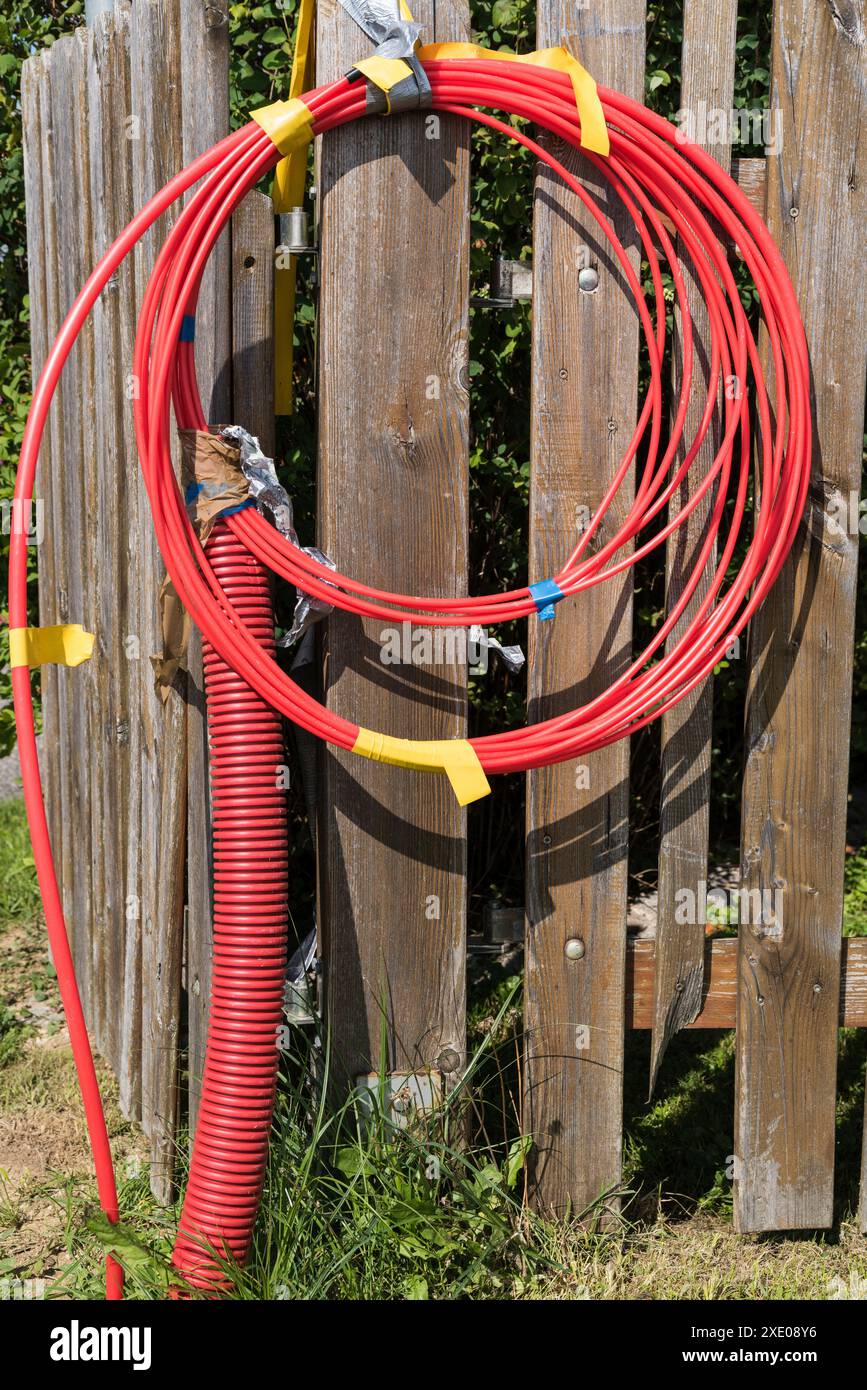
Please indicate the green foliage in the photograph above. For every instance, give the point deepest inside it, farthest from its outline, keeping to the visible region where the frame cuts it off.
(19, 894)
(855, 898)
(145, 1266)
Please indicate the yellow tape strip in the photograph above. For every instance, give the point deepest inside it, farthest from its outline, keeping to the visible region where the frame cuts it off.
(65, 645)
(594, 132)
(456, 757)
(384, 73)
(289, 124)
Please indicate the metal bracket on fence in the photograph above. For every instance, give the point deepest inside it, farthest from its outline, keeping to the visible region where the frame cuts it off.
(511, 283)
(294, 235)
(400, 1097)
(502, 927)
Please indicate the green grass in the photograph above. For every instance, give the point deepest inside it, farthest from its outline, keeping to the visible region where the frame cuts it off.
(357, 1209)
(19, 894)
(353, 1211)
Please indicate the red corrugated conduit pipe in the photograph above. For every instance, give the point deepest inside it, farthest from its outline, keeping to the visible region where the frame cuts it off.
(251, 905)
(663, 182)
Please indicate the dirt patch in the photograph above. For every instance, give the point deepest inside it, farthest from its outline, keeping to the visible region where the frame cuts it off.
(45, 1161)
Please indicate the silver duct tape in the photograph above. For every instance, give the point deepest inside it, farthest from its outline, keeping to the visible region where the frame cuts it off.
(271, 497)
(378, 18)
(394, 37)
(512, 657)
(412, 94)
(308, 610)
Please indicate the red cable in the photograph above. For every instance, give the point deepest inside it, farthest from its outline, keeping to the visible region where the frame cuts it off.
(655, 173)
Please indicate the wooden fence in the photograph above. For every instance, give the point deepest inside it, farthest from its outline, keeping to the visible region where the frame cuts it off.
(107, 119)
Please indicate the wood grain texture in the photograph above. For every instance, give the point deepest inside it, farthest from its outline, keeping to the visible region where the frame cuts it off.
(393, 445)
(55, 756)
(36, 149)
(707, 76)
(751, 176)
(66, 77)
(204, 50)
(585, 373)
(155, 133)
(720, 987)
(135, 678)
(801, 644)
(114, 746)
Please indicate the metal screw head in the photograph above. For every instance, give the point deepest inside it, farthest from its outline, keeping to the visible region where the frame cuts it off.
(574, 948)
(588, 279)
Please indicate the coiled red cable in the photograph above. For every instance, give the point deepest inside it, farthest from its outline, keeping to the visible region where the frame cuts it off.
(655, 174)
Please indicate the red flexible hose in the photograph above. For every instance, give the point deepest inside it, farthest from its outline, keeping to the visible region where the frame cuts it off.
(654, 173)
(251, 905)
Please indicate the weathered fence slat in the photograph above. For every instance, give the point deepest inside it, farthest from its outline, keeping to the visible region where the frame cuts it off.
(65, 75)
(57, 766)
(155, 129)
(719, 998)
(204, 50)
(92, 682)
(66, 78)
(393, 465)
(40, 213)
(134, 656)
(801, 645)
(707, 80)
(585, 376)
(110, 516)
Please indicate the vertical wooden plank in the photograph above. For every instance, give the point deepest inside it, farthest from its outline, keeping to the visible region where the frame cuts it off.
(117, 795)
(155, 127)
(138, 534)
(585, 374)
(801, 644)
(393, 447)
(67, 75)
(252, 348)
(56, 754)
(94, 673)
(204, 51)
(36, 145)
(707, 82)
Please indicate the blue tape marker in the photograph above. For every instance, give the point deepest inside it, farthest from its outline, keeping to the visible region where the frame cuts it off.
(188, 329)
(545, 594)
(194, 490)
(242, 506)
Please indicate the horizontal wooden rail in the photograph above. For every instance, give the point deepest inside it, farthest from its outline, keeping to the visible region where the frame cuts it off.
(719, 998)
